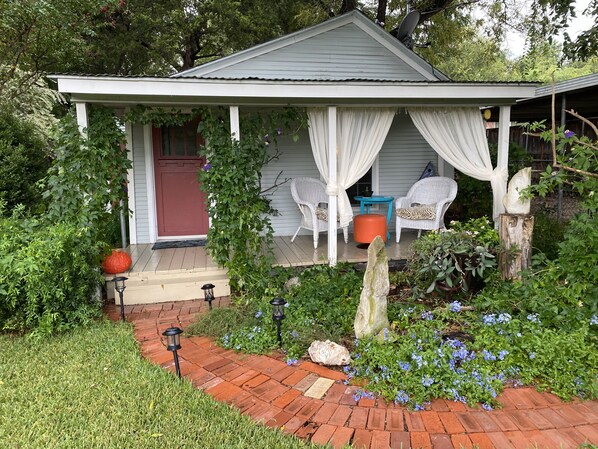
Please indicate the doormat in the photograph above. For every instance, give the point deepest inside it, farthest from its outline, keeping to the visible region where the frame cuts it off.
(180, 244)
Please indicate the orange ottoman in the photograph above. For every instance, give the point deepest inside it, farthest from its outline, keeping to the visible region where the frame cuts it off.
(367, 226)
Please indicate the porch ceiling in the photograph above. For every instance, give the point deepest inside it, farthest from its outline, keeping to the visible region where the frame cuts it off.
(120, 91)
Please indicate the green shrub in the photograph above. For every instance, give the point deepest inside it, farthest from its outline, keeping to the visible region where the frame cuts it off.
(48, 277)
(322, 307)
(452, 259)
(548, 234)
(24, 161)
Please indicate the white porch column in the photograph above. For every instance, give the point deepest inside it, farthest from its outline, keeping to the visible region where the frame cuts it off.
(81, 110)
(235, 126)
(502, 160)
(332, 199)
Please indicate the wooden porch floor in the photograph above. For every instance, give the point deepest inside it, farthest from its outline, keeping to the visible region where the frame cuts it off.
(177, 274)
(299, 253)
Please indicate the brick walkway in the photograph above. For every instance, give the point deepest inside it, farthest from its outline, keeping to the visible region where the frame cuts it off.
(311, 401)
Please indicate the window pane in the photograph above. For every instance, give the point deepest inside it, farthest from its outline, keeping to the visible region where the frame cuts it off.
(180, 140)
(360, 187)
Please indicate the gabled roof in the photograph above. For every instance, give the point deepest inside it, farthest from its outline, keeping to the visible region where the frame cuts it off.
(347, 47)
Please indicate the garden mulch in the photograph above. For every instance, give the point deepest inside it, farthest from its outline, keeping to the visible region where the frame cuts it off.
(312, 402)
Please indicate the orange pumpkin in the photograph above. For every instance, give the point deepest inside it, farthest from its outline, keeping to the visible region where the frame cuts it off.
(117, 262)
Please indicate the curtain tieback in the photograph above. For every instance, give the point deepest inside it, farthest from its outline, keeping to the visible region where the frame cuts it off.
(332, 188)
(499, 174)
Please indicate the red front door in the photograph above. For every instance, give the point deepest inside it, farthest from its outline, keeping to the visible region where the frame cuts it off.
(181, 205)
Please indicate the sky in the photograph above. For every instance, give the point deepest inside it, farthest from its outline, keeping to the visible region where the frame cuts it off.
(515, 43)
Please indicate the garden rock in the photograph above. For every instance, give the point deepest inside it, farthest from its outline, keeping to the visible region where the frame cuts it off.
(293, 282)
(371, 315)
(328, 353)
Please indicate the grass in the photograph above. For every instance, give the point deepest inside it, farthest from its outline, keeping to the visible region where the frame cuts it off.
(90, 388)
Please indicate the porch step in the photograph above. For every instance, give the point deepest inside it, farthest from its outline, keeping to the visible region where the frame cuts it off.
(156, 287)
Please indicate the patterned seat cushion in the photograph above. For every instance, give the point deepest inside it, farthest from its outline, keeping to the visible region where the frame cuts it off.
(418, 212)
(321, 213)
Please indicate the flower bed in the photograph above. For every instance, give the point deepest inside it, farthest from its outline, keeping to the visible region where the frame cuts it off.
(461, 349)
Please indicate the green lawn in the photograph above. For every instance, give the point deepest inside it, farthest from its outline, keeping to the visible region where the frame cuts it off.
(92, 389)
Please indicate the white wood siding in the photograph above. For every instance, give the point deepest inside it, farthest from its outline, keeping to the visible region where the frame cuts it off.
(403, 158)
(296, 160)
(346, 52)
(141, 207)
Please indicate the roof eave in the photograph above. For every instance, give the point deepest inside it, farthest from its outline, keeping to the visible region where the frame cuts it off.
(176, 91)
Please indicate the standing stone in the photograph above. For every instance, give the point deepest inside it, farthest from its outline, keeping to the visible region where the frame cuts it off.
(371, 315)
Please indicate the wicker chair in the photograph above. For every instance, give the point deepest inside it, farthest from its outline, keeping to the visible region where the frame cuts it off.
(437, 193)
(310, 195)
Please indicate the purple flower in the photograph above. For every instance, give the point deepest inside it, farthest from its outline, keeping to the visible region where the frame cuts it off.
(401, 397)
(427, 315)
(489, 320)
(427, 381)
(455, 306)
(533, 317)
(292, 362)
(487, 407)
(258, 314)
(569, 134)
(502, 354)
(207, 167)
(594, 320)
(405, 366)
(488, 356)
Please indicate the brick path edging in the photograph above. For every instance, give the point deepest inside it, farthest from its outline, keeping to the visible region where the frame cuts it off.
(312, 402)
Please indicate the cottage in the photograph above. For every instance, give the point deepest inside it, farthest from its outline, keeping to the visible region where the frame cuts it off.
(335, 69)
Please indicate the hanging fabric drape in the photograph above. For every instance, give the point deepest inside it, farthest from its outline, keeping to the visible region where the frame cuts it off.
(360, 135)
(458, 135)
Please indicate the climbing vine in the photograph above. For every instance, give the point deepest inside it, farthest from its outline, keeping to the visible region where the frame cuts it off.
(88, 177)
(241, 236)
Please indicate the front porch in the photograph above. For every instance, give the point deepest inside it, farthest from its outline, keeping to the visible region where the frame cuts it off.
(177, 274)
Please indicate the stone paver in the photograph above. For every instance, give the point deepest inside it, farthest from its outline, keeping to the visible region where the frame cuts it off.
(311, 402)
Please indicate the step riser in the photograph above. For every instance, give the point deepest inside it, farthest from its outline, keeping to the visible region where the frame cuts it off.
(148, 289)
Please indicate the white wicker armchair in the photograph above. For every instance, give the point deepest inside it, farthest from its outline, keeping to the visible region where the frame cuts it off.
(310, 195)
(437, 192)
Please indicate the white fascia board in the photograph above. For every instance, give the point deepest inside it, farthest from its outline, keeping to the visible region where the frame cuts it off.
(192, 91)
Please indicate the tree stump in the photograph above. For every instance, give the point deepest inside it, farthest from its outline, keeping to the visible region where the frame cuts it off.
(516, 239)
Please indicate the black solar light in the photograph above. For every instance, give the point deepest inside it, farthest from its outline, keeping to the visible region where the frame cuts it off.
(173, 344)
(208, 293)
(278, 315)
(119, 285)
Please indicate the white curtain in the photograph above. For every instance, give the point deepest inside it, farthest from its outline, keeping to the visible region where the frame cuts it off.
(458, 135)
(360, 135)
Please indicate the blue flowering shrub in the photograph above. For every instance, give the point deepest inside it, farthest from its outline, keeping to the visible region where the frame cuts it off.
(427, 354)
